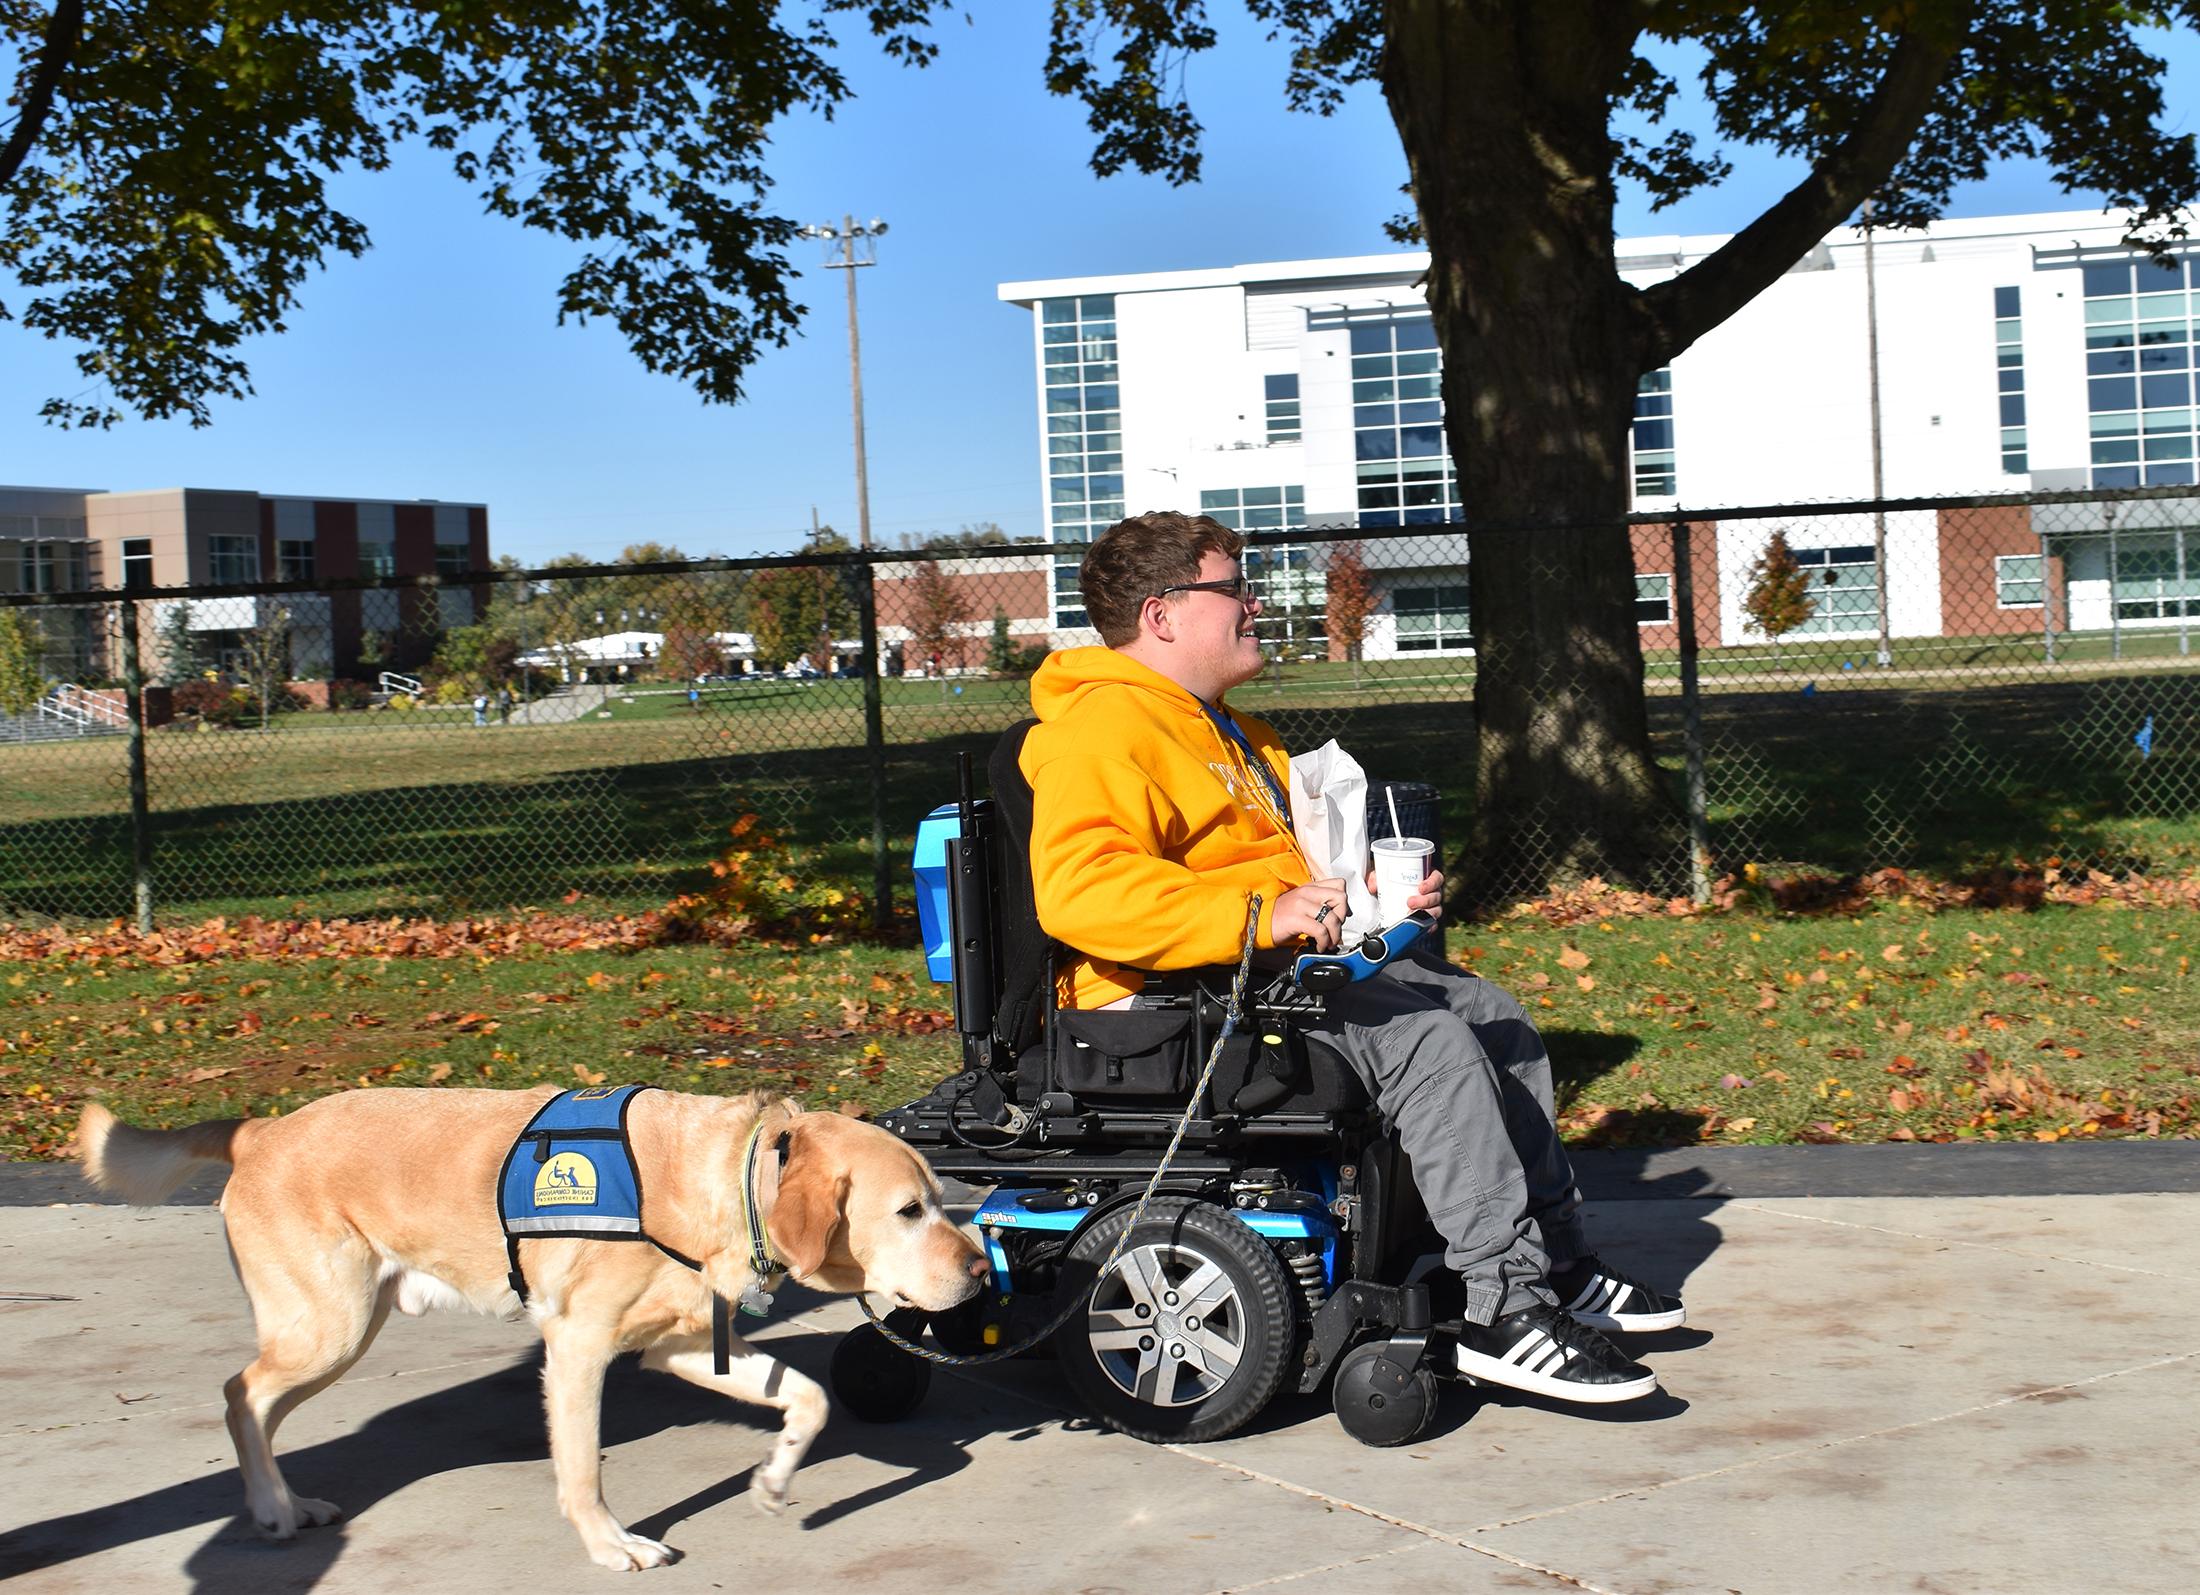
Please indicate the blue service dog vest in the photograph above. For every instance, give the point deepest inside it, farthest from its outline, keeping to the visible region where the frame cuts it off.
(572, 1173)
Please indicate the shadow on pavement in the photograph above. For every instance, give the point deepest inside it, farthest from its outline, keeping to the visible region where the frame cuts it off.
(495, 1419)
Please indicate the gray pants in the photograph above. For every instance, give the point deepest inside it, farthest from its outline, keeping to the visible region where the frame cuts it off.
(1454, 1064)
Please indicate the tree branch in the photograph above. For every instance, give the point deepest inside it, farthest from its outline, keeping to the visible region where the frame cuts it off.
(63, 31)
(1672, 315)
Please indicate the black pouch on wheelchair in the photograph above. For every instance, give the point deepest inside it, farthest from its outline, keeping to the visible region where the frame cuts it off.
(1124, 1052)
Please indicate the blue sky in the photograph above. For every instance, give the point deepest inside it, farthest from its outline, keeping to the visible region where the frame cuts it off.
(433, 367)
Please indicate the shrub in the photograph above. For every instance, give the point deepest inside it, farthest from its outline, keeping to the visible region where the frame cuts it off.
(766, 887)
(344, 694)
(215, 702)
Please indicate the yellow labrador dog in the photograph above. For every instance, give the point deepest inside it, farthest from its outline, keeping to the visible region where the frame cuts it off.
(372, 1199)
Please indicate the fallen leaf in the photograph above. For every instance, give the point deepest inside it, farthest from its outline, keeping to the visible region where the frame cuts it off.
(588, 1076)
(440, 1072)
(1586, 982)
(1573, 958)
(197, 1075)
(1733, 1082)
(1893, 953)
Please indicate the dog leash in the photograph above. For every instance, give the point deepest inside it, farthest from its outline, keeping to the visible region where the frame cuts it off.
(1232, 1013)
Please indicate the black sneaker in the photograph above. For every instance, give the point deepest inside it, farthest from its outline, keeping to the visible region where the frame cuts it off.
(1541, 1350)
(1604, 1298)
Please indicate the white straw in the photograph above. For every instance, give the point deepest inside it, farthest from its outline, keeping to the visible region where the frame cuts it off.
(1391, 792)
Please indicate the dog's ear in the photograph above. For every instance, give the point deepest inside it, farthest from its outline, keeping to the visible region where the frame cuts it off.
(813, 1193)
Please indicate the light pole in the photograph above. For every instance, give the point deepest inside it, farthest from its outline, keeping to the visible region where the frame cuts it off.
(1879, 480)
(848, 246)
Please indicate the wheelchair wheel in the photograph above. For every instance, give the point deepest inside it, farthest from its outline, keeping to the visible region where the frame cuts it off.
(1189, 1335)
(876, 1380)
(1382, 1406)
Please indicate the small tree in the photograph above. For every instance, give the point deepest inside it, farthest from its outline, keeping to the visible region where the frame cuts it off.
(689, 653)
(22, 654)
(266, 654)
(937, 614)
(1779, 598)
(1000, 651)
(1350, 602)
(183, 652)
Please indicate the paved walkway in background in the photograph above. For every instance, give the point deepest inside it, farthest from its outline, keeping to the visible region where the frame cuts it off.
(1943, 1393)
(570, 703)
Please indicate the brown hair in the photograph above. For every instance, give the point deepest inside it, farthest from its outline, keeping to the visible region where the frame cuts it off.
(1137, 557)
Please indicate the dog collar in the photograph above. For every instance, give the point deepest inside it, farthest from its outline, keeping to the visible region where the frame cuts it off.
(756, 1299)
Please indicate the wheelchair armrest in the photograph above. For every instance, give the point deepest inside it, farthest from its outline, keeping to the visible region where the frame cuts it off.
(1321, 973)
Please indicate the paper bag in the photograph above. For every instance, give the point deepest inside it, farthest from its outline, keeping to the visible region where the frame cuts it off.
(1329, 812)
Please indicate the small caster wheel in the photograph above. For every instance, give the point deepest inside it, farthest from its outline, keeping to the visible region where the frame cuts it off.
(1379, 1402)
(875, 1379)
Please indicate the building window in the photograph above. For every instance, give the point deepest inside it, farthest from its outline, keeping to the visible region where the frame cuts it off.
(53, 567)
(1256, 509)
(2018, 581)
(234, 558)
(294, 558)
(1432, 619)
(378, 559)
(1283, 407)
(1653, 436)
(1653, 600)
(2138, 361)
(453, 559)
(1069, 599)
(1084, 426)
(1844, 588)
(2009, 375)
(137, 564)
(2155, 579)
(1404, 470)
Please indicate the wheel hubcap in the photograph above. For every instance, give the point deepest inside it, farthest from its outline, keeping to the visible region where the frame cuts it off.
(1167, 1325)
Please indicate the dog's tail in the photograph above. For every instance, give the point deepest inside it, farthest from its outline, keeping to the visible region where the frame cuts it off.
(145, 1167)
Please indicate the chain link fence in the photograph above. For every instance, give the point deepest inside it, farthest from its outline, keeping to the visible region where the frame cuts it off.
(1946, 685)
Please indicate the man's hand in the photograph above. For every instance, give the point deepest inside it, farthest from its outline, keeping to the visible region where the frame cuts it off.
(1429, 894)
(1314, 911)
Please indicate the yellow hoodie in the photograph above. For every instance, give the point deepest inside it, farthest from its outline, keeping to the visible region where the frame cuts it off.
(1149, 827)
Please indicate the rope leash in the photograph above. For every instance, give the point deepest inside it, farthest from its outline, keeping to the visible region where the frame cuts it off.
(1232, 1013)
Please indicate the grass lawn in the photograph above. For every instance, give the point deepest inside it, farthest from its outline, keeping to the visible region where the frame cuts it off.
(1729, 1028)
(1940, 770)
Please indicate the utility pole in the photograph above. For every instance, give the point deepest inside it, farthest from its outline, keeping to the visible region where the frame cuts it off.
(1879, 478)
(846, 247)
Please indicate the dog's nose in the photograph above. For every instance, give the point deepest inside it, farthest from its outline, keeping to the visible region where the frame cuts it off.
(978, 1267)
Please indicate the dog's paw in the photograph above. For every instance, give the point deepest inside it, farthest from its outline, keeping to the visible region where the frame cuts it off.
(624, 1552)
(303, 1512)
(770, 1498)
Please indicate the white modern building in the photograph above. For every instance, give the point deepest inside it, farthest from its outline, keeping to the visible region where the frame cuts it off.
(2015, 352)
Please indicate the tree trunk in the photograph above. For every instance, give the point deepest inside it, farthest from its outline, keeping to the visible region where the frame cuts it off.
(1503, 109)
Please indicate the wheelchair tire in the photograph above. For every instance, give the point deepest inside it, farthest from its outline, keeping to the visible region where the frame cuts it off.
(1377, 1406)
(874, 1379)
(1159, 1361)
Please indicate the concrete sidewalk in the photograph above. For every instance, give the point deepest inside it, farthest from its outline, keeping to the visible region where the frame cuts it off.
(1944, 1393)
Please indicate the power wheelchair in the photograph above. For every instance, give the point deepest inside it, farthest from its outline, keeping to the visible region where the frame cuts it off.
(1279, 1248)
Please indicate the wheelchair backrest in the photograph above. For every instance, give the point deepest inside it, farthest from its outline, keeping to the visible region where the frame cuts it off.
(1026, 957)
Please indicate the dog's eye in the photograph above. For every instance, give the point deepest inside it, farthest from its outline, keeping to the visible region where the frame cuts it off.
(912, 1212)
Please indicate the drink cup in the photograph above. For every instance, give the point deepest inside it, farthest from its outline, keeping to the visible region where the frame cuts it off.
(1401, 864)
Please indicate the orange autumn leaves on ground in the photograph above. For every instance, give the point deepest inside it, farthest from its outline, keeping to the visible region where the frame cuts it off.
(1741, 1028)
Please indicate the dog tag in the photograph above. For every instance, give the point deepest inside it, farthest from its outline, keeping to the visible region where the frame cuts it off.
(756, 1301)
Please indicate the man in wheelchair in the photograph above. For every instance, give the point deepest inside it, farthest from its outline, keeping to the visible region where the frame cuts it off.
(1157, 812)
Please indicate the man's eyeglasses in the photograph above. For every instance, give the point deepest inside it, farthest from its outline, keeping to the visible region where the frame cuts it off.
(1238, 589)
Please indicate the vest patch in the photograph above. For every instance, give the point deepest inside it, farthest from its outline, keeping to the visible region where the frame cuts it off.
(571, 1171)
